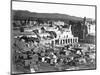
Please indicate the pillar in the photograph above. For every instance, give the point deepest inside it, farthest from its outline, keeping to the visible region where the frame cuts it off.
(72, 40)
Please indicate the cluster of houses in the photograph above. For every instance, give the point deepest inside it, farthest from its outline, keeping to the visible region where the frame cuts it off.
(62, 32)
(62, 36)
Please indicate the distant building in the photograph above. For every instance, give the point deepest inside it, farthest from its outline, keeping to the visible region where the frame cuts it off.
(58, 23)
(63, 38)
(91, 28)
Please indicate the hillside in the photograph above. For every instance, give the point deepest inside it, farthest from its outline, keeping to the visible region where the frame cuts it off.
(23, 14)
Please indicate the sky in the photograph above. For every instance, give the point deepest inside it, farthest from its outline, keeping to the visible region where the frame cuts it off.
(73, 10)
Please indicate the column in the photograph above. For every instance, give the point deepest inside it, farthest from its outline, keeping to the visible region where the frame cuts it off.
(67, 41)
(73, 40)
(77, 39)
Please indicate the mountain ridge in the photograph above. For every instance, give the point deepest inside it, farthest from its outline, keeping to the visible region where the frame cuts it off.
(21, 14)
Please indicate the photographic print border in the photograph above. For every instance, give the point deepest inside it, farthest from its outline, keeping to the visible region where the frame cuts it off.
(58, 4)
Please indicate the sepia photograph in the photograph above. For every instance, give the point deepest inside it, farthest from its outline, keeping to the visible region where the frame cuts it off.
(52, 37)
